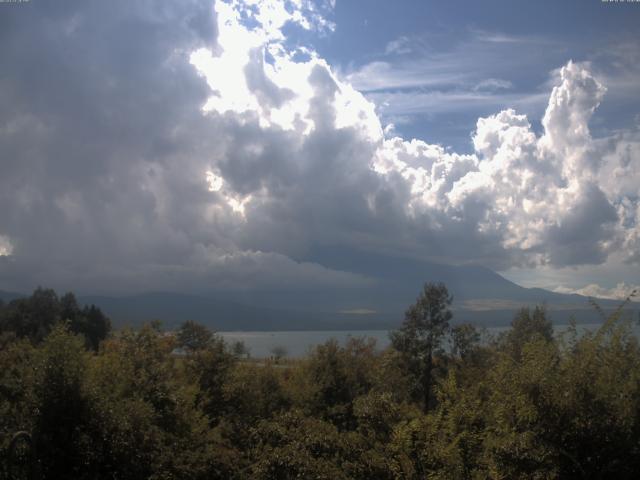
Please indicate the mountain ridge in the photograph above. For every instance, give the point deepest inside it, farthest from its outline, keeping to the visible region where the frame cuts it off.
(481, 296)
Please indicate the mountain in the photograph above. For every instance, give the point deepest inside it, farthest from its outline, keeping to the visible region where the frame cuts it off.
(174, 308)
(221, 315)
(8, 296)
(226, 315)
(480, 296)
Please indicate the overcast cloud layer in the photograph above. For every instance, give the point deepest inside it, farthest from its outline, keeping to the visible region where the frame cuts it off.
(177, 145)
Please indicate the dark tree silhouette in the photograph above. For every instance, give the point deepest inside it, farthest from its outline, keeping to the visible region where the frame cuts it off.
(425, 325)
(35, 316)
(464, 338)
(194, 336)
(527, 325)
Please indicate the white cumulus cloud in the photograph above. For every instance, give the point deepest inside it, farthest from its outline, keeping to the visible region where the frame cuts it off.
(620, 292)
(214, 153)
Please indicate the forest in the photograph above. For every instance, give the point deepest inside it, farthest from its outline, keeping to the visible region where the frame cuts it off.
(80, 400)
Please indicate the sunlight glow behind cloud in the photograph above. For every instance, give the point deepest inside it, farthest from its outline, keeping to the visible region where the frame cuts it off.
(238, 148)
(6, 248)
(535, 196)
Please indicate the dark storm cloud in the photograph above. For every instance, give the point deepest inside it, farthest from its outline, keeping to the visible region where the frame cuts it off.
(104, 148)
(577, 240)
(94, 95)
(115, 178)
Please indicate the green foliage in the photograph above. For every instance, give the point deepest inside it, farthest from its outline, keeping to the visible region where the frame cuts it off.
(296, 446)
(376, 415)
(60, 404)
(333, 377)
(92, 324)
(255, 392)
(526, 327)
(464, 340)
(527, 406)
(145, 422)
(32, 317)
(425, 325)
(210, 368)
(17, 398)
(35, 316)
(194, 336)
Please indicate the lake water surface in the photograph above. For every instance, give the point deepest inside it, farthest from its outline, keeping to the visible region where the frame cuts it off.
(299, 343)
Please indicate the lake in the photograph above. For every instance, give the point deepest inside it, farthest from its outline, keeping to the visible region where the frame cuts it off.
(299, 343)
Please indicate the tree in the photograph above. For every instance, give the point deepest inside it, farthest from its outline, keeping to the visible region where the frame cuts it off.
(464, 339)
(279, 352)
(254, 392)
(194, 336)
(527, 326)
(95, 326)
(240, 349)
(209, 368)
(60, 408)
(297, 446)
(69, 308)
(34, 317)
(420, 337)
(332, 377)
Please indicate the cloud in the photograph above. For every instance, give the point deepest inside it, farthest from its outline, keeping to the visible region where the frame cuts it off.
(382, 75)
(539, 198)
(437, 102)
(472, 71)
(620, 292)
(6, 248)
(493, 84)
(189, 147)
(399, 46)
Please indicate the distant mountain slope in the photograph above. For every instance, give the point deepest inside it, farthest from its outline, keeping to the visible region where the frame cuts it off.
(8, 296)
(480, 296)
(174, 308)
(397, 281)
(397, 274)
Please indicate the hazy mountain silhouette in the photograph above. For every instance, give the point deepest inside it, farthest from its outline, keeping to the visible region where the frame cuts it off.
(8, 296)
(480, 296)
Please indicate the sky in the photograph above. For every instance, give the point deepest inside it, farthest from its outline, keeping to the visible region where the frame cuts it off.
(203, 147)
